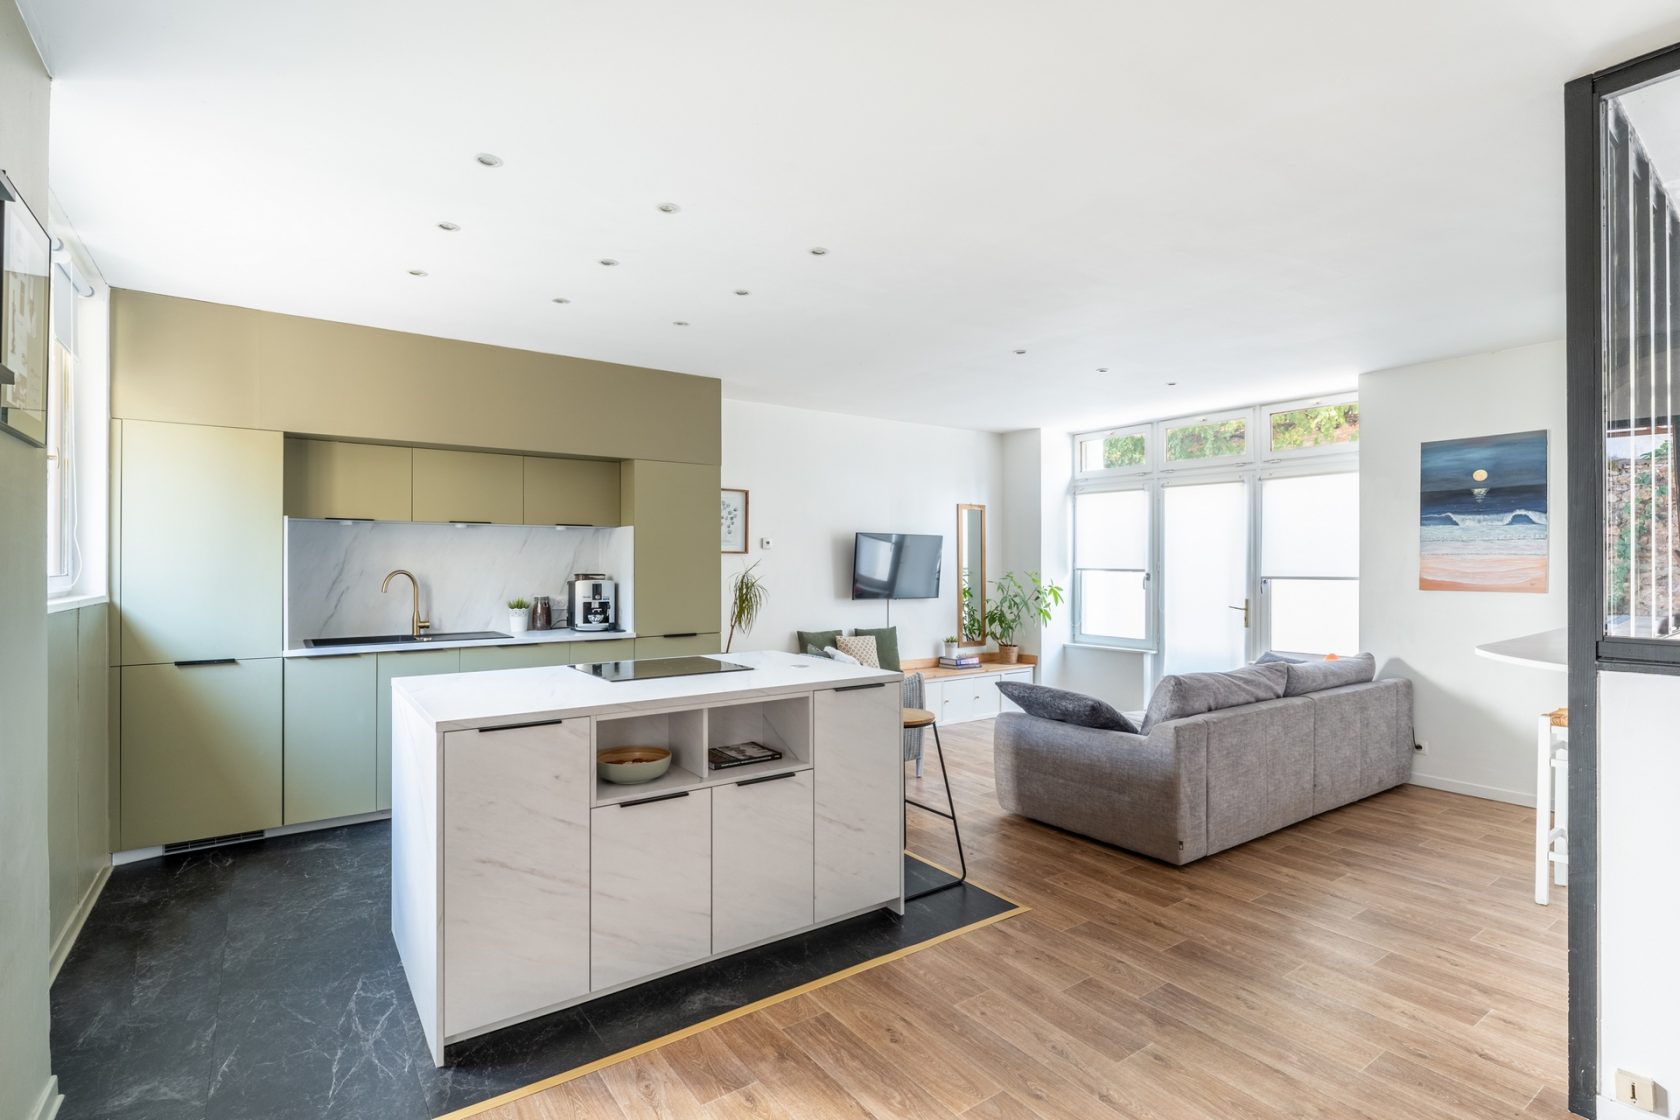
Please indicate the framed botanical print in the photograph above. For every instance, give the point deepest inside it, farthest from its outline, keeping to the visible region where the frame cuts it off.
(734, 521)
(25, 295)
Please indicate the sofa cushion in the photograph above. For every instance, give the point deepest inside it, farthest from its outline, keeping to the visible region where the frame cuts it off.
(861, 648)
(886, 645)
(1272, 655)
(1191, 694)
(1065, 707)
(822, 639)
(1316, 676)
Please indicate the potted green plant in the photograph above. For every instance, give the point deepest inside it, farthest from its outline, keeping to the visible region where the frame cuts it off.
(519, 616)
(1011, 605)
(746, 599)
(951, 646)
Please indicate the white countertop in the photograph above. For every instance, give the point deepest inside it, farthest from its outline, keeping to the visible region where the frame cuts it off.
(453, 701)
(529, 638)
(1548, 649)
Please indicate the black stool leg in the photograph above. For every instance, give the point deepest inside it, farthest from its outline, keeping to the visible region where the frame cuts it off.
(956, 829)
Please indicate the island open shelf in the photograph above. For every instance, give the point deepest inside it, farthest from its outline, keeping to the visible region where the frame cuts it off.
(783, 724)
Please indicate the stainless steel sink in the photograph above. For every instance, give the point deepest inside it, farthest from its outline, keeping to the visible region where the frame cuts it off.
(407, 639)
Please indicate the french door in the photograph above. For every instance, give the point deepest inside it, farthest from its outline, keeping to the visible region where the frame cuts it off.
(1207, 579)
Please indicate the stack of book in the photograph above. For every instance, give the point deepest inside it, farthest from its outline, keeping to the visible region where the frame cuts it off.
(961, 661)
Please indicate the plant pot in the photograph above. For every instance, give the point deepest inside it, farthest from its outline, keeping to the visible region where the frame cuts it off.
(518, 621)
(951, 648)
(1009, 655)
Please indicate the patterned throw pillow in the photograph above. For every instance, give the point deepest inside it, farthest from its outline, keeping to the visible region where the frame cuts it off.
(861, 647)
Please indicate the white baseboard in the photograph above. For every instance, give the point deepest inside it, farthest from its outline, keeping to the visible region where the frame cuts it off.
(1470, 789)
(46, 1107)
(66, 939)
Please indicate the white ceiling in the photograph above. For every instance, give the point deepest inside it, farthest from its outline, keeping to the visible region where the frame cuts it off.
(1255, 200)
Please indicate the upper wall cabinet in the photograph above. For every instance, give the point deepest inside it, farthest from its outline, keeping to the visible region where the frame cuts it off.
(571, 492)
(674, 507)
(326, 478)
(468, 486)
(200, 543)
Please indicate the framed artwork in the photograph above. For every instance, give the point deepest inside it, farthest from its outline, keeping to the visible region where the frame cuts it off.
(734, 521)
(25, 295)
(1483, 514)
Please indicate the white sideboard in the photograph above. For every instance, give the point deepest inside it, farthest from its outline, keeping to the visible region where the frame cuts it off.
(522, 883)
(963, 695)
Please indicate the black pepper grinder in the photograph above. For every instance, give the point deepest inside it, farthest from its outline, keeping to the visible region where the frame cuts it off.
(542, 615)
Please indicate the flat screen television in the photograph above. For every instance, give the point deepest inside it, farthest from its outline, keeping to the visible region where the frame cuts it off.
(896, 565)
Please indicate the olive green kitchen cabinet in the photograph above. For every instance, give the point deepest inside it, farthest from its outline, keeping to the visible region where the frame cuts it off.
(678, 645)
(606, 649)
(527, 655)
(200, 750)
(468, 486)
(571, 492)
(674, 508)
(199, 570)
(421, 663)
(329, 733)
(333, 479)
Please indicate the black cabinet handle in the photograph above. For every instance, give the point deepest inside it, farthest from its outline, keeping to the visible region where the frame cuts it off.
(651, 800)
(768, 778)
(369, 520)
(690, 634)
(466, 521)
(517, 726)
(207, 661)
(860, 687)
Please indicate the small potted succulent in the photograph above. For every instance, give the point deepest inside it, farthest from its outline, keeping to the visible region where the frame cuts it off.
(1011, 604)
(519, 616)
(952, 646)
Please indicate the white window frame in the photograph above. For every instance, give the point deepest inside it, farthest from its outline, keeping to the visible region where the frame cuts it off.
(1151, 584)
(1147, 431)
(1218, 463)
(1267, 455)
(1345, 462)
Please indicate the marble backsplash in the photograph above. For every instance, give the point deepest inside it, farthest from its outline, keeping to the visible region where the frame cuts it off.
(467, 573)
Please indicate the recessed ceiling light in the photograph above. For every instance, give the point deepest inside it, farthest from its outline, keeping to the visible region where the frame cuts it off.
(560, 299)
(609, 262)
(1020, 351)
(742, 292)
(819, 251)
(669, 208)
(680, 323)
(448, 227)
(1102, 369)
(488, 160)
(1170, 384)
(417, 272)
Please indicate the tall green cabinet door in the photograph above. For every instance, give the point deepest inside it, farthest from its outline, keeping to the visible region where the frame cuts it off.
(678, 645)
(330, 734)
(423, 663)
(674, 508)
(200, 750)
(200, 563)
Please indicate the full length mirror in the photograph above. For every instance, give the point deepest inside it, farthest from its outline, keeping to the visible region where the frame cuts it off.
(971, 574)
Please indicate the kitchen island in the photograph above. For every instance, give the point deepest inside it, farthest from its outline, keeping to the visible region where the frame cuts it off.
(522, 883)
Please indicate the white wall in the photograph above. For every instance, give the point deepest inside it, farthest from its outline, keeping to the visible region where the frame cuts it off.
(1476, 715)
(817, 479)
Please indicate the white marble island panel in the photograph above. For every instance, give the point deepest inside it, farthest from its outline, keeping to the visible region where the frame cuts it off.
(504, 844)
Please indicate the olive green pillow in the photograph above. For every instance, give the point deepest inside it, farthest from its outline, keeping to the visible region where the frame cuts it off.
(886, 646)
(822, 639)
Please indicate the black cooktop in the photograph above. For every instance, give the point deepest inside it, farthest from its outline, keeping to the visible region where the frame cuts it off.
(652, 668)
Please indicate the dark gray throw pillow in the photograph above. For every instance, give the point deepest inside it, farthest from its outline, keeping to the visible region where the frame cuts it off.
(1191, 694)
(1316, 676)
(1065, 707)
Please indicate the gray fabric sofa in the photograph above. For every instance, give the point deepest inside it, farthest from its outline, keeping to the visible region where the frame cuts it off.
(1197, 785)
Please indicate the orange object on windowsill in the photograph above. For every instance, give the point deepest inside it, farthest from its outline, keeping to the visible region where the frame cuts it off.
(1332, 657)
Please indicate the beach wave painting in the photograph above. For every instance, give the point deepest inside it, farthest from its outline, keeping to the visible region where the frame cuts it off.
(1483, 521)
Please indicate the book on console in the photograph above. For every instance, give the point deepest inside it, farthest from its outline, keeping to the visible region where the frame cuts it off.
(740, 754)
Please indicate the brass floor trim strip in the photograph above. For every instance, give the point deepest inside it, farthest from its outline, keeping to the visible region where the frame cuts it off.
(718, 1020)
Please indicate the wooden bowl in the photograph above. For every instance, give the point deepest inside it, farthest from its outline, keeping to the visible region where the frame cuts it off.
(631, 766)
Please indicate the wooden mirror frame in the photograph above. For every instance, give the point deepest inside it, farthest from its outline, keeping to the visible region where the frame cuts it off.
(963, 545)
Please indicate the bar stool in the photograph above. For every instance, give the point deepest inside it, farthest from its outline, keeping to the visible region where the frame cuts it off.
(916, 718)
(1551, 806)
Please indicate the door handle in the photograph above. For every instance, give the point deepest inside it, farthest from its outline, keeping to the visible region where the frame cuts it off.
(1245, 609)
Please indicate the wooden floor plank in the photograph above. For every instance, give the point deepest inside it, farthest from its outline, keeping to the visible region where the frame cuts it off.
(1384, 961)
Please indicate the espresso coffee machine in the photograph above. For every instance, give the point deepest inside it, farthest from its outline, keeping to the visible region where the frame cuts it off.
(593, 599)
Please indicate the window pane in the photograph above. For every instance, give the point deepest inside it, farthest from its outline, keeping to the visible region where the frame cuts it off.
(1314, 615)
(1310, 526)
(1112, 452)
(1113, 605)
(1215, 440)
(1315, 426)
(1204, 560)
(1111, 529)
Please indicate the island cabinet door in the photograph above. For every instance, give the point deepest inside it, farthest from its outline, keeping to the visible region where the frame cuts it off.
(515, 871)
(650, 886)
(761, 859)
(859, 758)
